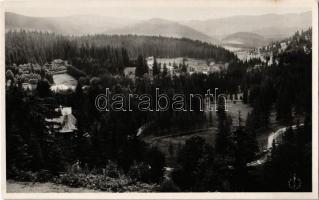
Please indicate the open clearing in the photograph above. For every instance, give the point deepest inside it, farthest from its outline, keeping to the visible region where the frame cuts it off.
(171, 142)
(65, 79)
(164, 143)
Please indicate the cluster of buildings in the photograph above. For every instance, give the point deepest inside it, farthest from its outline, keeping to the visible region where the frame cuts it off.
(174, 66)
(262, 54)
(29, 74)
(208, 68)
(57, 66)
(28, 68)
(266, 54)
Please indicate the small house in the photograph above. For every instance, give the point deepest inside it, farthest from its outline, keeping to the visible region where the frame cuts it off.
(66, 123)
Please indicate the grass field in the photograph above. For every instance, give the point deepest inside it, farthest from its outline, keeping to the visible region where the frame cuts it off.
(234, 109)
(65, 79)
(172, 141)
(164, 143)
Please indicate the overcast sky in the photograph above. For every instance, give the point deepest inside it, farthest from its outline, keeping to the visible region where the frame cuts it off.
(167, 9)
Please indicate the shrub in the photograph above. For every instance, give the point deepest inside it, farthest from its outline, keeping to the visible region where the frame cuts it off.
(112, 170)
(25, 176)
(168, 186)
(105, 183)
(140, 172)
(44, 176)
(72, 180)
(156, 161)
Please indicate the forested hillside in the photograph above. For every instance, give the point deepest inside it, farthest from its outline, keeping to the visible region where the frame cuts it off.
(286, 84)
(99, 53)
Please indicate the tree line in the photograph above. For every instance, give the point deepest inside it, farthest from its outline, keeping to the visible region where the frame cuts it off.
(98, 54)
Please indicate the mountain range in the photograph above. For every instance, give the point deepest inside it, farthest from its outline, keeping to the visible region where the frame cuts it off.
(245, 30)
(164, 28)
(75, 24)
(268, 26)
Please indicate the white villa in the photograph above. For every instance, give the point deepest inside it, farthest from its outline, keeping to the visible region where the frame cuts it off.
(66, 123)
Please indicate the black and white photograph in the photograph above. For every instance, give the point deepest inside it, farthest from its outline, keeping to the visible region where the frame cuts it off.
(160, 97)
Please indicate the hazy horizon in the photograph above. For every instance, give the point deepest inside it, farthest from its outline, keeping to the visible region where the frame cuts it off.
(142, 10)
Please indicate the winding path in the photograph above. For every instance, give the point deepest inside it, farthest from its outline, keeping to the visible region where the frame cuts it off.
(274, 136)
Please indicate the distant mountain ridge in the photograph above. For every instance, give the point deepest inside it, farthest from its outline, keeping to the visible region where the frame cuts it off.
(269, 27)
(74, 25)
(165, 28)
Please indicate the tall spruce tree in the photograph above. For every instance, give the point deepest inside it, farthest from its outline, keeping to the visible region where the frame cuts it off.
(156, 69)
(141, 66)
(224, 129)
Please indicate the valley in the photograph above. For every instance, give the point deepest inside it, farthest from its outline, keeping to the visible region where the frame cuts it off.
(62, 73)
